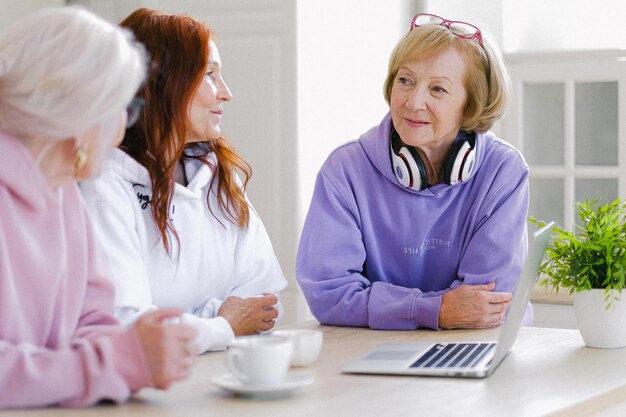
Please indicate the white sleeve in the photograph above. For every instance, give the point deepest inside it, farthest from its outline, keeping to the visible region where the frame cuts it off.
(213, 333)
(209, 309)
(114, 219)
(129, 315)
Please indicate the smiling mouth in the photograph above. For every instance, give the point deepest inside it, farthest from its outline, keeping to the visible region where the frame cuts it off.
(416, 123)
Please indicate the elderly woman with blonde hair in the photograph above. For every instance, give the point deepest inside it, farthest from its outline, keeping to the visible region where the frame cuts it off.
(67, 82)
(421, 222)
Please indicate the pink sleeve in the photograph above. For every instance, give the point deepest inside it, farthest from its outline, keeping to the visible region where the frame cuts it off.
(100, 360)
(80, 375)
(117, 354)
(112, 357)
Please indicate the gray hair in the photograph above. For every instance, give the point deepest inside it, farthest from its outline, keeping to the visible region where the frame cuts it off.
(62, 70)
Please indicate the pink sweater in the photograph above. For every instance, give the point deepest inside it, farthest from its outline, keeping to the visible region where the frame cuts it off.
(59, 341)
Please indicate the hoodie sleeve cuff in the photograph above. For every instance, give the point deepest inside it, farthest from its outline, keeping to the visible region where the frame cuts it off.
(426, 311)
(213, 334)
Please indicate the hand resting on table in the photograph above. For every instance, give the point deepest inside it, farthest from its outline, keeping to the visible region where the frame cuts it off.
(473, 307)
(250, 315)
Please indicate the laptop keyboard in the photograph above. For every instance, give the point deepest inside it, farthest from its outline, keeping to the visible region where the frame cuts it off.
(454, 355)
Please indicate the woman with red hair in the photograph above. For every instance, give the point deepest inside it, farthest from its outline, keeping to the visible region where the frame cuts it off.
(170, 208)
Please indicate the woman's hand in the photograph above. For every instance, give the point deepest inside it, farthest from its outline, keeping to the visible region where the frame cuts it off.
(169, 347)
(249, 315)
(473, 307)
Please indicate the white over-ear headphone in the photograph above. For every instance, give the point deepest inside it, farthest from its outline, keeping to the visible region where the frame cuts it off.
(410, 170)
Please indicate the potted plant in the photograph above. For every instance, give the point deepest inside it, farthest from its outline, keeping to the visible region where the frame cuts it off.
(591, 264)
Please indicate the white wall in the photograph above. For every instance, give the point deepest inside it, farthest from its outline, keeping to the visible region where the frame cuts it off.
(540, 25)
(563, 25)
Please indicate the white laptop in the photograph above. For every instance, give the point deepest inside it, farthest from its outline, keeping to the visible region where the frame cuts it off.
(463, 359)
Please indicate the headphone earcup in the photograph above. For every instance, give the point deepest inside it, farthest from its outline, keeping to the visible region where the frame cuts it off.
(418, 170)
(407, 164)
(459, 163)
(401, 169)
(409, 170)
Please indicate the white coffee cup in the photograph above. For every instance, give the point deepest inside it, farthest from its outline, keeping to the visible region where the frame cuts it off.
(307, 344)
(260, 360)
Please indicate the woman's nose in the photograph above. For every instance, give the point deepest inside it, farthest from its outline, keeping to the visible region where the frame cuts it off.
(417, 99)
(224, 93)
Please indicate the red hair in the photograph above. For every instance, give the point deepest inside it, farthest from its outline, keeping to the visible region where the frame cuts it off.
(179, 50)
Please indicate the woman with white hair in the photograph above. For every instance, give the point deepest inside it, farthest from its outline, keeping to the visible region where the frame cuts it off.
(66, 80)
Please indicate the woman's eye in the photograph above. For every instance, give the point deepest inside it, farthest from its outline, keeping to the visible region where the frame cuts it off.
(439, 89)
(404, 81)
(209, 74)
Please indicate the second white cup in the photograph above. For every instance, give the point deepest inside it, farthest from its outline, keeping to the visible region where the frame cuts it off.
(260, 360)
(307, 344)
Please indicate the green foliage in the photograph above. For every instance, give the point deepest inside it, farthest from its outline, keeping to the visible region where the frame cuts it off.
(593, 258)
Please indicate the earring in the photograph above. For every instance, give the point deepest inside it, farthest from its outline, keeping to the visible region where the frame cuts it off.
(80, 159)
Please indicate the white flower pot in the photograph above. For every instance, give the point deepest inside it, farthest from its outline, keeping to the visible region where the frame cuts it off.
(601, 327)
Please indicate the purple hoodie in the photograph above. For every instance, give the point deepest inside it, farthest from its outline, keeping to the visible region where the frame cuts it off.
(374, 253)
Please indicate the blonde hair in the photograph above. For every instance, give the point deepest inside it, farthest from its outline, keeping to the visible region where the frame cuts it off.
(487, 81)
(62, 70)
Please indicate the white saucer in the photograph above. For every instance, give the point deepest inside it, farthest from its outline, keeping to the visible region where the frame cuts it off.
(293, 381)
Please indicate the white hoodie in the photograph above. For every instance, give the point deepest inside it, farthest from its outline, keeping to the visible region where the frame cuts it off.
(216, 259)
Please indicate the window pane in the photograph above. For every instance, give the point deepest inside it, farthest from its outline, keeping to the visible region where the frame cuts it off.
(543, 124)
(546, 199)
(596, 123)
(604, 190)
